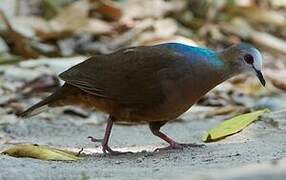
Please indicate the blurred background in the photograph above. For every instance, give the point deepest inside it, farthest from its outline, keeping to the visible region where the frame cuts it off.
(41, 38)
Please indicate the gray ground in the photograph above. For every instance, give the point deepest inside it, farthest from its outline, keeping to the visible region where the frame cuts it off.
(261, 142)
(255, 153)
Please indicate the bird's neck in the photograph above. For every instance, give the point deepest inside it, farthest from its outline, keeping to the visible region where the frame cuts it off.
(204, 76)
(229, 58)
(215, 66)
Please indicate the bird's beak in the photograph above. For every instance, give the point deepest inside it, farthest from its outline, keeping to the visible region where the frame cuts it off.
(260, 76)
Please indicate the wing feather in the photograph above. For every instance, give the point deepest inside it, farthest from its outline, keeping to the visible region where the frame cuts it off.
(128, 76)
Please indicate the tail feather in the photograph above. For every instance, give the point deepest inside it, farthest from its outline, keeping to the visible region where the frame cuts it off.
(43, 105)
(34, 110)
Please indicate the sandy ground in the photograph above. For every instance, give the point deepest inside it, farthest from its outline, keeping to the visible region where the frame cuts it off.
(261, 148)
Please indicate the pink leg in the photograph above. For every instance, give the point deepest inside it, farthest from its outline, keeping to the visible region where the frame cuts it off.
(105, 147)
(155, 129)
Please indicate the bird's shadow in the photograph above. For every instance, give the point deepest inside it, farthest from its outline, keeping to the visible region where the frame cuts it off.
(131, 152)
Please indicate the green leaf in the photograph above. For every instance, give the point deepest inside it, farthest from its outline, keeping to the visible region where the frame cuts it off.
(41, 152)
(232, 126)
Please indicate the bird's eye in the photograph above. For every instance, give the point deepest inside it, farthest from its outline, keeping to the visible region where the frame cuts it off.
(248, 59)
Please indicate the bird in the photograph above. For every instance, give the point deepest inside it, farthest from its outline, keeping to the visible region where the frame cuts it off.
(152, 84)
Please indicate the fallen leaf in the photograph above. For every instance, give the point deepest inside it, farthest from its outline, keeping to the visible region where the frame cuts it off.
(269, 41)
(138, 9)
(232, 126)
(243, 29)
(97, 27)
(129, 36)
(19, 44)
(68, 20)
(41, 152)
(108, 8)
(66, 23)
(257, 14)
(161, 29)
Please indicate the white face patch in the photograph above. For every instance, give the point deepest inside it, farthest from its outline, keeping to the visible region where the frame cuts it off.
(257, 63)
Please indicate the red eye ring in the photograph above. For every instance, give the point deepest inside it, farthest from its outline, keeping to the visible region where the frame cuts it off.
(248, 59)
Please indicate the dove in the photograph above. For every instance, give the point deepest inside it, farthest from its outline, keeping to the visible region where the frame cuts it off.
(152, 84)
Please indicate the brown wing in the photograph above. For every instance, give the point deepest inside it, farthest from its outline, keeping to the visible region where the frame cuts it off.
(128, 76)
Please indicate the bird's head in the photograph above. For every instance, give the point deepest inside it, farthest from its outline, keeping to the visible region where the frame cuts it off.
(244, 57)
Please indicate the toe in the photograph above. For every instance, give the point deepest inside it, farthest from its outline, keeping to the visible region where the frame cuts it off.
(107, 150)
(95, 140)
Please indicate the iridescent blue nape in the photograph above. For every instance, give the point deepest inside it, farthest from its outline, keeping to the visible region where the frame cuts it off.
(197, 53)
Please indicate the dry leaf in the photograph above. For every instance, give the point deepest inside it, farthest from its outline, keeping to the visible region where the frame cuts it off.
(269, 41)
(242, 29)
(257, 14)
(20, 44)
(71, 19)
(97, 27)
(161, 29)
(232, 126)
(133, 33)
(67, 22)
(108, 8)
(138, 9)
(41, 152)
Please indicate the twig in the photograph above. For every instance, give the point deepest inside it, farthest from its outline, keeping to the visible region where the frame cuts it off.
(80, 151)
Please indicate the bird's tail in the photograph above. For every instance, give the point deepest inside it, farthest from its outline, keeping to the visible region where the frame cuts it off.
(43, 105)
(35, 109)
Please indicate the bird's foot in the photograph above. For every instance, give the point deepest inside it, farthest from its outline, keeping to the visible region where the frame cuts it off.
(105, 148)
(181, 146)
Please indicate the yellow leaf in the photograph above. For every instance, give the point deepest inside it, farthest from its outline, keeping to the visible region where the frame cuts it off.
(232, 126)
(41, 152)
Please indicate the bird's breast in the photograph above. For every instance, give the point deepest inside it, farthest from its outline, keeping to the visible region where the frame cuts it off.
(181, 94)
(181, 88)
